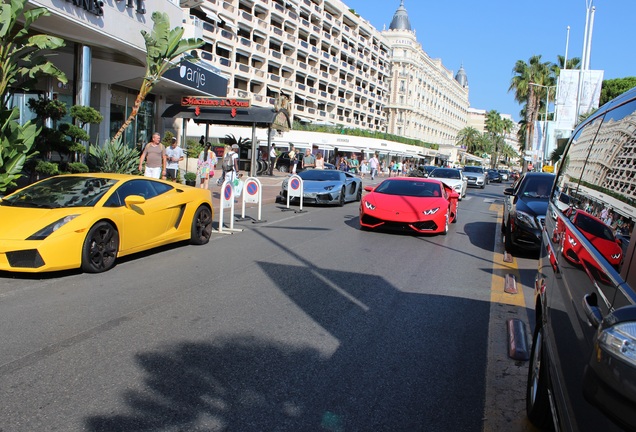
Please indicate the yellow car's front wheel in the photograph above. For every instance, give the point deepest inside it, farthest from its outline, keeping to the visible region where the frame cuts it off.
(100, 248)
(201, 226)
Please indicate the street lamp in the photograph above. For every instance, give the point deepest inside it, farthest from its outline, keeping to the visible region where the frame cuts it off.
(545, 121)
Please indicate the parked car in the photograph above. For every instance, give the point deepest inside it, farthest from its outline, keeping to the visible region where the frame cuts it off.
(87, 221)
(582, 369)
(422, 171)
(525, 207)
(475, 176)
(326, 186)
(417, 205)
(505, 174)
(494, 176)
(453, 178)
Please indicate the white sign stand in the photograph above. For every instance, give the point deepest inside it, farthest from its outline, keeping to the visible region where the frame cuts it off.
(227, 201)
(295, 188)
(252, 193)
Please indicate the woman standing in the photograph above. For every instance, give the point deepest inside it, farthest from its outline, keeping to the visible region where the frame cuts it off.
(320, 162)
(205, 165)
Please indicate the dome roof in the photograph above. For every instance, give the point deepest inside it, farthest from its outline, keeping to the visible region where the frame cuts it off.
(400, 19)
(461, 77)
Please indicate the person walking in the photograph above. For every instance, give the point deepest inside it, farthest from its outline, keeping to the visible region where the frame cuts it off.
(272, 159)
(154, 154)
(230, 164)
(174, 155)
(364, 168)
(373, 165)
(205, 166)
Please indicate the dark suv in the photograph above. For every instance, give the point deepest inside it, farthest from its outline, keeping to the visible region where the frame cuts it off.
(582, 372)
(525, 207)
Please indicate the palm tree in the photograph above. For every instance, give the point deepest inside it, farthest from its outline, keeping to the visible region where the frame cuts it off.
(533, 72)
(163, 46)
(468, 138)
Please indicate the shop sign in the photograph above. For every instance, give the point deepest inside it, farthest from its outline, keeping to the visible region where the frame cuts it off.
(204, 101)
(197, 77)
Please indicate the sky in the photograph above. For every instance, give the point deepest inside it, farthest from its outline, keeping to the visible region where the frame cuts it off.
(488, 37)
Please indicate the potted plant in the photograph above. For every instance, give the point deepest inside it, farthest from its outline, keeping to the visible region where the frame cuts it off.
(190, 178)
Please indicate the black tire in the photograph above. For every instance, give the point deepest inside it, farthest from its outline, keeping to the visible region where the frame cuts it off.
(341, 200)
(537, 400)
(283, 168)
(456, 214)
(100, 248)
(359, 193)
(201, 226)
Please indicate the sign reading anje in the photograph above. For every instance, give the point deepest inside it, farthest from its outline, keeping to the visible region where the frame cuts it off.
(214, 102)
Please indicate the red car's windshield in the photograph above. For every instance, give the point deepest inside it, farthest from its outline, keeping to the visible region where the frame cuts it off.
(409, 188)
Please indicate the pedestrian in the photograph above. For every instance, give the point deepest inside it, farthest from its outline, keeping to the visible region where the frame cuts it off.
(174, 155)
(309, 161)
(364, 168)
(373, 165)
(354, 164)
(320, 161)
(230, 164)
(202, 141)
(343, 165)
(205, 166)
(154, 154)
(226, 150)
(293, 160)
(272, 159)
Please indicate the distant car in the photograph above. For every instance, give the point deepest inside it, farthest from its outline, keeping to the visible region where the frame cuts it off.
(475, 176)
(421, 171)
(326, 186)
(407, 204)
(494, 176)
(453, 178)
(525, 207)
(505, 174)
(87, 221)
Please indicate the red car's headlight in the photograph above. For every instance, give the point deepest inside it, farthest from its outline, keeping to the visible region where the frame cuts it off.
(431, 211)
(368, 205)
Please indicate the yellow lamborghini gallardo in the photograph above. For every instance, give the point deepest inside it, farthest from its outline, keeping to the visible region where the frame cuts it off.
(87, 220)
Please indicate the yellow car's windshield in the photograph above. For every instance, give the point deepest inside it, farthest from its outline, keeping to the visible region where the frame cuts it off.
(58, 192)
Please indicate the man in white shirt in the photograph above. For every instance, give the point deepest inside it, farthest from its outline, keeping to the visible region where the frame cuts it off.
(272, 160)
(174, 154)
(373, 165)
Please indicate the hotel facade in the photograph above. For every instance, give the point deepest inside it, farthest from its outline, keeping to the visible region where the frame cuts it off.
(332, 65)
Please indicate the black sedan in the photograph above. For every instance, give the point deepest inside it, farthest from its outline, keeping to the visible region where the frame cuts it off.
(493, 176)
(525, 206)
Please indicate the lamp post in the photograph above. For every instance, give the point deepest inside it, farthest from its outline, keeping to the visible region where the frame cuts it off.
(547, 111)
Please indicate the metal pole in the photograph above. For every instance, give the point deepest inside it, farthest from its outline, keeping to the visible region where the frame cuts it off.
(567, 43)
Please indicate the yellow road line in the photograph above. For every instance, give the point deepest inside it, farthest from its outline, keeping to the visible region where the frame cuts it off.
(500, 269)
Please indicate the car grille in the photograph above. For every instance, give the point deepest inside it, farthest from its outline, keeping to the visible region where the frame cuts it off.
(399, 226)
(29, 258)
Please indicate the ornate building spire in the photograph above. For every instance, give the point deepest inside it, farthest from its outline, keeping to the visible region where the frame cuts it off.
(400, 19)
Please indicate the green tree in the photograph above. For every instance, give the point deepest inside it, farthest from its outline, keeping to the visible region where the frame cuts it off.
(22, 62)
(468, 138)
(163, 46)
(615, 87)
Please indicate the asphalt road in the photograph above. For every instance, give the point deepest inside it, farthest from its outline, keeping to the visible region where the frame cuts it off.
(299, 323)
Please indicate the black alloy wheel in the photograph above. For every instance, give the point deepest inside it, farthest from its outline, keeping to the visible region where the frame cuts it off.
(201, 226)
(100, 248)
(341, 200)
(359, 193)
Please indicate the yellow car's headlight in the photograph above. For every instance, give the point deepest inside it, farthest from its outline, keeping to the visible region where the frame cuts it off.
(51, 228)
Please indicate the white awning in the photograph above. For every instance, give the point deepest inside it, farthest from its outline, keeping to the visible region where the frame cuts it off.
(302, 119)
(227, 22)
(210, 13)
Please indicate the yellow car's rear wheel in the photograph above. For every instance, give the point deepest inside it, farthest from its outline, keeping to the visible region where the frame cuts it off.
(100, 248)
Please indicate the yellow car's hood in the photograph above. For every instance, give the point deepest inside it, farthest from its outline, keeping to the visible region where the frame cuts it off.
(18, 223)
